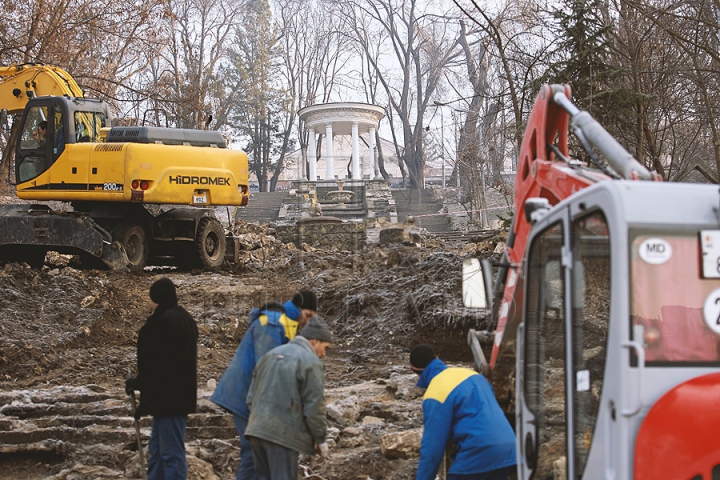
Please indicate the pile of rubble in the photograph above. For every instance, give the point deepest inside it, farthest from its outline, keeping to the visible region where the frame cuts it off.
(69, 339)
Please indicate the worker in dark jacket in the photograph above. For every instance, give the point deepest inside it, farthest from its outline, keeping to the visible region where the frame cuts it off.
(167, 380)
(459, 407)
(287, 404)
(270, 326)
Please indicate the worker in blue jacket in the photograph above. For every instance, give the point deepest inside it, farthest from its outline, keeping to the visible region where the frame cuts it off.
(271, 325)
(459, 407)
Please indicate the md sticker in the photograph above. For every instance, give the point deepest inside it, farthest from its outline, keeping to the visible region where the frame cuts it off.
(655, 251)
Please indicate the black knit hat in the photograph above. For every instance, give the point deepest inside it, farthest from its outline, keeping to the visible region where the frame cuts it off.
(306, 299)
(317, 329)
(421, 356)
(163, 292)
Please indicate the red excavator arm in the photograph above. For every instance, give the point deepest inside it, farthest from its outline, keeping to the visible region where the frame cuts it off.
(546, 172)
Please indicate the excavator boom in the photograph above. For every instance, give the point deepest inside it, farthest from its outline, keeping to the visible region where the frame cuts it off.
(20, 83)
(545, 171)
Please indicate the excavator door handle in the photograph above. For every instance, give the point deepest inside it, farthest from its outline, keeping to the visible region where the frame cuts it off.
(640, 352)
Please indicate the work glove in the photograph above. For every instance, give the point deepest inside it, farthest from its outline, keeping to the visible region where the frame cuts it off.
(323, 450)
(140, 411)
(131, 385)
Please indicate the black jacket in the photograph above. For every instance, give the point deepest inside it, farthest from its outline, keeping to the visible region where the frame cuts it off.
(167, 363)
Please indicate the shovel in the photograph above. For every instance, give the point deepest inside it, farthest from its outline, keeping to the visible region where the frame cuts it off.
(133, 404)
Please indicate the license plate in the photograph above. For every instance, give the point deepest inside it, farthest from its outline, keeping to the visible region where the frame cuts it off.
(710, 246)
(199, 198)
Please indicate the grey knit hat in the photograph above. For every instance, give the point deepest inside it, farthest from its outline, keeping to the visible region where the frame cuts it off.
(317, 329)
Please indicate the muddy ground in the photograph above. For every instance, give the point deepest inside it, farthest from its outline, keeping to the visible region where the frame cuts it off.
(67, 336)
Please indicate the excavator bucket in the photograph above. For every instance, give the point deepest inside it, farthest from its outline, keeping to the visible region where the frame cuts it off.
(28, 231)
(115, 257)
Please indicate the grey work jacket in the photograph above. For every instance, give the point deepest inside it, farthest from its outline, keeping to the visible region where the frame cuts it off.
(287, 397)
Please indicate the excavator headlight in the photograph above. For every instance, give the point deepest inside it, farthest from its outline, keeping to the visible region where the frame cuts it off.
(135, 184)
(144, 185)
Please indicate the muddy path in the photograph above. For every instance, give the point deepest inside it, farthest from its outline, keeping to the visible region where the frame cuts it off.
(67, 340)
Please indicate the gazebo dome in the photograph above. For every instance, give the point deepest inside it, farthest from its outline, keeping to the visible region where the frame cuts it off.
(343, 115)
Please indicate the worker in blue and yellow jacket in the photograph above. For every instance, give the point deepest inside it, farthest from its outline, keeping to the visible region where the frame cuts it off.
(459, 407)
(271, 325)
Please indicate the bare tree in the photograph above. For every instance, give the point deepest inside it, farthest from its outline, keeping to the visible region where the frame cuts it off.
(314, 55)
(418, 44)
(103, 44)
(671, 53)
(200, 32)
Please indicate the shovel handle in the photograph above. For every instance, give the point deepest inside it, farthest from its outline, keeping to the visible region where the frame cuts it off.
(133, 404)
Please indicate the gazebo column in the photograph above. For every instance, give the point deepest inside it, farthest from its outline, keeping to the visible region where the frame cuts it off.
(371, 136)
(356, 174)
(330, 170)
(312, 159)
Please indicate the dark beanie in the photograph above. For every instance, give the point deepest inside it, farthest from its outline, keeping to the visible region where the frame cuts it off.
(306, 299)
(421, 356)
(316, 329)
(163, 292)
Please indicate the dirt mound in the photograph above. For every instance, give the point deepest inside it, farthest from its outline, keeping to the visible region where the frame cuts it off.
(67, 327)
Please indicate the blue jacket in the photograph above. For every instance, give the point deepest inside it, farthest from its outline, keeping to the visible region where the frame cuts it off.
(267, 330)
(459, 406)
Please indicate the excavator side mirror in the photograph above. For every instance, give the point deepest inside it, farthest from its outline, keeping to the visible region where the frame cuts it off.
(535, 209)
(477, 283)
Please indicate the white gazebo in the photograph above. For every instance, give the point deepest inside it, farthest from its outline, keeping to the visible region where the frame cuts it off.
(343, 118)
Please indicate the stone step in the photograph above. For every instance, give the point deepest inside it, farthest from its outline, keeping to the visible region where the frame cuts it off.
(263, 207)
(92, 434)
(117, 407)
(56, 395)
(120, 420)
(27, 440)
(422, 205)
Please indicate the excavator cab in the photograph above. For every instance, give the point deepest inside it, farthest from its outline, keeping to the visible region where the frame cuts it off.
(48, 125)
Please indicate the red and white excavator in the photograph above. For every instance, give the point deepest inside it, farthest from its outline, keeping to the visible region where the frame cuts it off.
(606, 306)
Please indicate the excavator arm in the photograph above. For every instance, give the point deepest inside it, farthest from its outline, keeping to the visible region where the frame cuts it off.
(20, 83)
(545, 176)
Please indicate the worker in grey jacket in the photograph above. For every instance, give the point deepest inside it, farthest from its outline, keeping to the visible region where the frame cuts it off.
(287, 403)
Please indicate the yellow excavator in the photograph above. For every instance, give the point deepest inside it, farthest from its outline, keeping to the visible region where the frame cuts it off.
(119, 180)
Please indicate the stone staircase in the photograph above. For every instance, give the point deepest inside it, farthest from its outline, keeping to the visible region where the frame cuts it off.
(263, 207)
(88, 432)
(420, 203)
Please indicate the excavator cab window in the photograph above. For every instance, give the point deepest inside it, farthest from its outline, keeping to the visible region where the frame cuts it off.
(32, 156)
(675, 310)
(88, 125)
(34, 132)
(59, 132)
(590, 326)
(544, 375)
(42, 139)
